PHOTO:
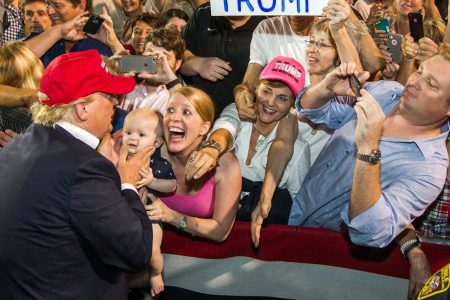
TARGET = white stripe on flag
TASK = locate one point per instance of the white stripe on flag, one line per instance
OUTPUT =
(243, 276)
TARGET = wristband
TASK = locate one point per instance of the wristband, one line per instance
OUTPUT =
(172, 83)
(408, 246)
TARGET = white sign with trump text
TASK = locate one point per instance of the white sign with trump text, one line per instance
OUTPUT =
(267, 7)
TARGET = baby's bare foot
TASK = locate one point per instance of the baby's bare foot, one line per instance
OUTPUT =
(157, 284)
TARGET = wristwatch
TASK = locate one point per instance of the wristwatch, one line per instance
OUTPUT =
(183, 223)
(372, 158)
(211, 144)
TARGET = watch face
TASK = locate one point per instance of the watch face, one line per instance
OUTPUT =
(183, 223)
(375, 156)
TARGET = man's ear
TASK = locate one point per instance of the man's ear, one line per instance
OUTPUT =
(81, 111)
(205, 128)
(158, 142)
(178, 64)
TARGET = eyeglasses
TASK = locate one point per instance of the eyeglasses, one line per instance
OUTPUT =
(319, 45)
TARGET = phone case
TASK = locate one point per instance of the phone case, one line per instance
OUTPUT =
(394, 43)
(356, 85)
(383, 24)
(93, 24)
(416, 26)
(137, 64)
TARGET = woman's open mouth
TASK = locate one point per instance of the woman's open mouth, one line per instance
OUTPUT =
(176, 134)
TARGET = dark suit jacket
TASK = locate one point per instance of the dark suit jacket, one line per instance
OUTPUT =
(66, 229)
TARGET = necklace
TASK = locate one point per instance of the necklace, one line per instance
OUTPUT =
(257, 130)
(261, 138)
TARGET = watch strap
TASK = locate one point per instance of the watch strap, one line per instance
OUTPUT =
(372, 158)
(172, 83)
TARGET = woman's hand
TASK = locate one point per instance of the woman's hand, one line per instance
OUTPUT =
(158, 211)
(409, 48)
(379, 37)
(260, 213)
(376, 12)
(427, 49)
(337, 11)
(390, 71)
(388, 57)
(201, 162)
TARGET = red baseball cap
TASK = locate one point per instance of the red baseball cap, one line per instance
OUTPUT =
(79, 74)
(286, 70)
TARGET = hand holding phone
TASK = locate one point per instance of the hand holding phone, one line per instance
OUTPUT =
(394, 43)
(137, 64)
(382, 24)
(93, 24)
(355, 84)
(416, 26)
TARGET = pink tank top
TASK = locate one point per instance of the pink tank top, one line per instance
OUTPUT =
(200, 204)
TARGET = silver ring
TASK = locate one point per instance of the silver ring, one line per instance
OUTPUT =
(150, 213)
(191, 159)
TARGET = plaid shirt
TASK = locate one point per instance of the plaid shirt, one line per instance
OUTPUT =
(435, 222)
(14, 31)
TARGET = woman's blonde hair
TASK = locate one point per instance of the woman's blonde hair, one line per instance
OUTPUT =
(200, 100)
(19, 67)
(434, 30)
(444, 51)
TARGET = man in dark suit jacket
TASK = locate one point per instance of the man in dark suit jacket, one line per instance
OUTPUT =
(70, 222)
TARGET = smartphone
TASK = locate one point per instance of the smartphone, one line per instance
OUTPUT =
(356, 85)
(394, 43)
(93, 24)
(416, 25)
(137, 64)
(382, 24)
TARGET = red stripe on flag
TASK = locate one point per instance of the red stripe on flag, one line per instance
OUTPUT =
(304, 245)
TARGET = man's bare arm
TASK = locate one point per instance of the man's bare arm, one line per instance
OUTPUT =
(371, 58)
(419, 267)
(44, 41)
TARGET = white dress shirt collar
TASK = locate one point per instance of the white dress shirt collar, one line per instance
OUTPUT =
(80, 134)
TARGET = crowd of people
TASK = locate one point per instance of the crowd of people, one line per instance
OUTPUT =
(300, 120)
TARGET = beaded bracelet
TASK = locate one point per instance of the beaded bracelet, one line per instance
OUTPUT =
(408, 246)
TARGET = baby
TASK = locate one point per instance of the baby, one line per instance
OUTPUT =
(143, 127)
